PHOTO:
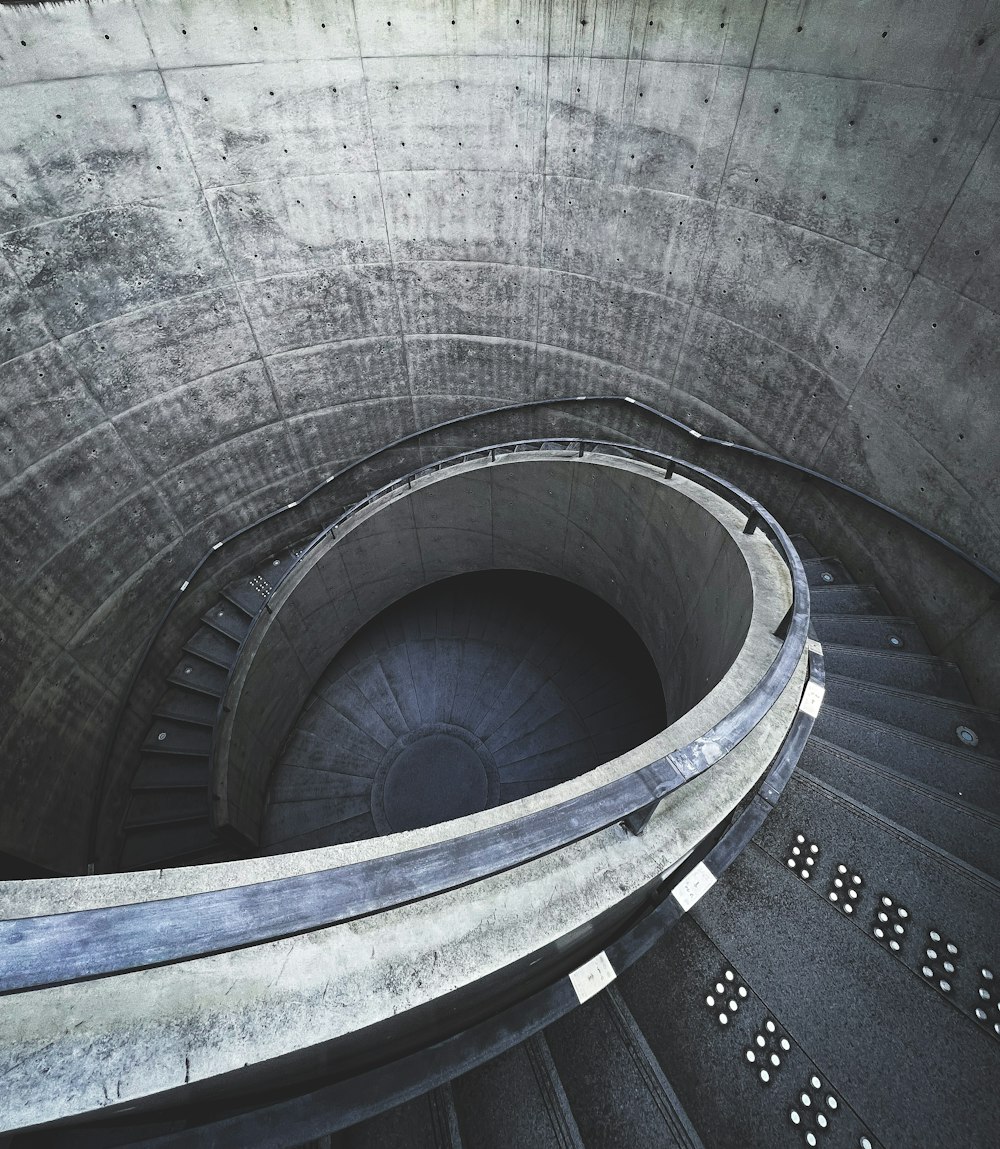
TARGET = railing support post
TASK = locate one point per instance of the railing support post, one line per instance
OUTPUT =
(635, 823)
(753, 522)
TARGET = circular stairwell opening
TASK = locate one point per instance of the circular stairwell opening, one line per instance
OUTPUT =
(466, 694)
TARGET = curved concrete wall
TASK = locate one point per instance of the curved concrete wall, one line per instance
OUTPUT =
(241, 241)
(663, 552)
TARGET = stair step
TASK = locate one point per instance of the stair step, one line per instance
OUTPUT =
(229, 619)
(961, 829)
(195, 673)
(896, 886)
(515, 1101)
(920, 673)
(213, 646)
(165, 771)
(188, 705)
(874, 632)
(172, 736)
(426, 1122)
(848, 600)
(617, 1091)
(962, 774)
(155, 846)
(940, 719)
(804, 547)
(160, 807)
(846, 1006)
(826, 572)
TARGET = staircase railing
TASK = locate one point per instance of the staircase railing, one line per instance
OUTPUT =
(211, 558)
(56, 949)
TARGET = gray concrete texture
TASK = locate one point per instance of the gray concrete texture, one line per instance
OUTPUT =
(243, 240)
(669, 555)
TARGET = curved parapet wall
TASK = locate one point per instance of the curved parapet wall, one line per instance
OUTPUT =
(664, 552)
(144, 958)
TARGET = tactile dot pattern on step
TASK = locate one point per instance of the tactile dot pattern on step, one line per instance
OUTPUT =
(987, 1005)
(845, 888)
(261, 585)
(725, 996)
(767, 1051)
(940, 961)
(889, 922)
(814, 1110)
(802, 856)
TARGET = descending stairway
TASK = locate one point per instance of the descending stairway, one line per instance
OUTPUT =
(837, 987)
(167, 821)
(468, 694)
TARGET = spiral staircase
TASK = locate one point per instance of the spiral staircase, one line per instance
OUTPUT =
(843, 919)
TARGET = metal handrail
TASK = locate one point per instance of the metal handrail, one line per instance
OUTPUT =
(57, 949)
(509, 408)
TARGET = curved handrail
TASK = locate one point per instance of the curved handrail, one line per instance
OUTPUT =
(457, 420)
(56, 949)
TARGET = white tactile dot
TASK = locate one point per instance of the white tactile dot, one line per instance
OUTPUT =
(831, 1101)
(815, 1082)
(794, 1116)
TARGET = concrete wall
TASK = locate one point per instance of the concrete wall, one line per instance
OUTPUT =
(243, 240)
(668, 555)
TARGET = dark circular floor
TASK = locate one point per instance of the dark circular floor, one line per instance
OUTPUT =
(472, 692)
(433, 774)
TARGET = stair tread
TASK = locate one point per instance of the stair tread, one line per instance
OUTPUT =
(196, 673)
(965, 831)
(826, 565)
(960, 773)
(882, 632)
(213, 646)
(503, 1105)
(932, 717)
(617, 1090)
(170, 805)
(229, 619)
(916, 672)
(861, 599)
(845, 1018)
(153, 846)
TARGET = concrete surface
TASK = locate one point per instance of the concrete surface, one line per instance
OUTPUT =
(138, 1034)
(669, 555)
(241, 241)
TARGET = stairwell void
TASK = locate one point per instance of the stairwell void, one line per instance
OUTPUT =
(475, 691)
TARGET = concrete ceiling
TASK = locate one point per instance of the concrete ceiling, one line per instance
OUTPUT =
(243, 240)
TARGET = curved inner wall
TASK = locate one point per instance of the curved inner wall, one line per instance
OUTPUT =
(467, 694)
(658, 551)
(241, 242)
